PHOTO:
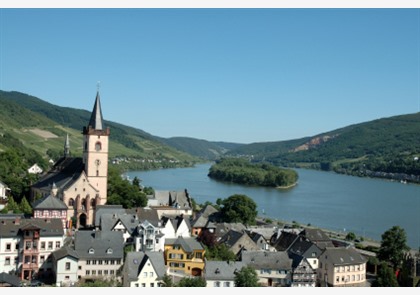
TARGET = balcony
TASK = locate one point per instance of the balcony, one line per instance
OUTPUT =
(29, 266)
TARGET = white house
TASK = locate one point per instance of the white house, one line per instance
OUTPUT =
(222, 273)
(35, 169)
(144, 269)
(65, 266)
(3, 190)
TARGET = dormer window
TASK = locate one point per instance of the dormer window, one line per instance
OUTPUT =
(91, 251)
(109, 251)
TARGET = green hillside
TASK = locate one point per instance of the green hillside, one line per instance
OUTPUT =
(387, 145)
(200, 148)
(48, 124)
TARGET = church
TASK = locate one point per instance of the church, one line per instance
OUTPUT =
(80, 183)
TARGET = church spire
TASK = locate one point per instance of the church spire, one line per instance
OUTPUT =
(67, 147)
(96, 121)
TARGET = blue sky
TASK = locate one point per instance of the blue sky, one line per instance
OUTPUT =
(235, 75)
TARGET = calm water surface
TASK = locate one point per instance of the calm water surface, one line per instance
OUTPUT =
(367, 207)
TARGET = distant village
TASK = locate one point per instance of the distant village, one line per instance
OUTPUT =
(75, 237)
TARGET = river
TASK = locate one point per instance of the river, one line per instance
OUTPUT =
(368, 207)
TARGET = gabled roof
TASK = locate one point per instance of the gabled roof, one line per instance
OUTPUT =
(63, 173)
(99, 242)
(48, 227)
(149, 214)
(318, 237)
(267, 260)
(303, 247)
(343, 256)
(13, 281)
(222, 270)
(49, 202)
(284, 241)
(224, 227)
(135, 261)
(107, 210)
(176, 221)
(206, 214)
(187, 244)
(64, 252)
(175, 199)
(231, 238)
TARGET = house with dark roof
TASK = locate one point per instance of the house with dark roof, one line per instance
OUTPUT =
(238, 241)
(143, 269)
(318, 237)
(184, 256)
(303, 274)
(26, 245)
(101, 254)
(208, 214)
(8, 280)
(274, 269)
(65, 266)
(171, 203)
(81, 182)
(221, 273)
(303, 247)
(342, 267)
(51, 207)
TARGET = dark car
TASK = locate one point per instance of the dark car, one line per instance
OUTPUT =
(35, 283)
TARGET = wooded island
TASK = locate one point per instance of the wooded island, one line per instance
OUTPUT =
(241, 171)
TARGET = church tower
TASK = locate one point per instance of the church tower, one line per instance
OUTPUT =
(95, 152)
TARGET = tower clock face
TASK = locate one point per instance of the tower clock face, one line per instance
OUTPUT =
(98, 162)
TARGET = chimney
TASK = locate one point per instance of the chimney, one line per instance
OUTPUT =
(17, 221)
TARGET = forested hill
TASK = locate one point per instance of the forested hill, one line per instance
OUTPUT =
(42, 126)
(388, 145)
(200, 148)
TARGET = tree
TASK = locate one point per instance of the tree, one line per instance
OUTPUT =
(350, 236)
(239, 208)
(25, 207)
(220, 252)
(167, 281)
(393, 246)
(246, 277)
(192, 282)
(386, 277)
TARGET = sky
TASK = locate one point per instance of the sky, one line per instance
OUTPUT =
(236, 74)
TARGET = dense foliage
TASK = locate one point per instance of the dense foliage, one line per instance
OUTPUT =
(246, 277)
(393, 246)
(242, 171)
(191, 282)
(123, 192)
(239, 208)
(385, 277)
(15, 160)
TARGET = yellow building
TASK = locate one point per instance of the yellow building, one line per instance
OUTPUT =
(184, 255)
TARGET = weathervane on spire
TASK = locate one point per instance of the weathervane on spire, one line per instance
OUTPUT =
(98, 85)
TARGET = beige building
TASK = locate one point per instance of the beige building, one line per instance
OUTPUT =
(81, 182)
(342, 267)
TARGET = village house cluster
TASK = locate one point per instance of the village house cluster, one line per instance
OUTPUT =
(74, 236)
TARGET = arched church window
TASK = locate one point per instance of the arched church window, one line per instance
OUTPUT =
(84, 204)
(98, 146)
(92, 203)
